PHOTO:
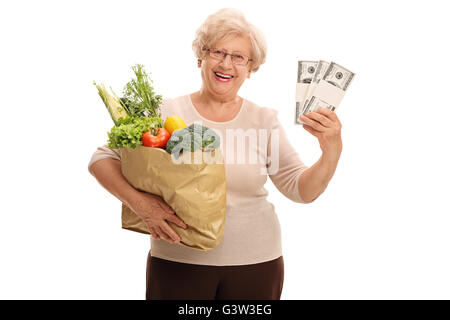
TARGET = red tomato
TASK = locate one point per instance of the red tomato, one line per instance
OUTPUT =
(156, 138)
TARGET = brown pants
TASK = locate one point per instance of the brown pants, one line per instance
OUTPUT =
(183, 281)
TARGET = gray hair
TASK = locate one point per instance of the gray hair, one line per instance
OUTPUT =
(227, 22)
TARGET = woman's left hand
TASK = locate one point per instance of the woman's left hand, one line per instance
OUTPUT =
(325, 126)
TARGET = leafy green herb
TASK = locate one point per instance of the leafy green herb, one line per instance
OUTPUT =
(128, 132)
(139, 98)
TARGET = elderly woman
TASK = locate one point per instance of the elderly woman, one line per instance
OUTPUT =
(248, 263)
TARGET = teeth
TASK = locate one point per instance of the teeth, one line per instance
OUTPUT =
(223, 76)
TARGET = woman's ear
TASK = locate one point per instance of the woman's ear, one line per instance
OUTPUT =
(199, 62)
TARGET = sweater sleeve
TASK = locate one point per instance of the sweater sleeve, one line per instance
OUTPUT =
(284, 164)
(104, 152)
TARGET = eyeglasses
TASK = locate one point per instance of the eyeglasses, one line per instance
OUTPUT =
(237, 59)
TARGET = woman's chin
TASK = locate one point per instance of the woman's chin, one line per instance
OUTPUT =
(221, 90)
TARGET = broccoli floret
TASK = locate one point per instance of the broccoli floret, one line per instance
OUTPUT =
(210, 139)
(192, 138)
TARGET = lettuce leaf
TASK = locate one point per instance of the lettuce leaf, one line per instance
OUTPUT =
(128, 132)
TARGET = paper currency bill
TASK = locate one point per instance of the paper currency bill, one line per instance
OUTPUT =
(335, 75)
(306, 71)
(322, 67)
(338, 76)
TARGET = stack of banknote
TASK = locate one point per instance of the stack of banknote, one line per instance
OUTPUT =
(310, 73)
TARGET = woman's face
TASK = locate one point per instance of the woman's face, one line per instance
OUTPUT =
(226, 88)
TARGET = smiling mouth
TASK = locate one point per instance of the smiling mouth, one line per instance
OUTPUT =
(223, 76)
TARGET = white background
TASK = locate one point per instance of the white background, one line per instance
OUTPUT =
(380, 230)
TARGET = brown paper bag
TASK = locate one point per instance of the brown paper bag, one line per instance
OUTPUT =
(195, 191)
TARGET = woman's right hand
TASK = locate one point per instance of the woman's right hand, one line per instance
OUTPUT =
(154, 211)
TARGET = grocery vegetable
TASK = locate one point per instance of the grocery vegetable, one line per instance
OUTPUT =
(182, 140)
(156, 138)
(114, 105)
(210, 139)
(139, 98)
(192, 138)
(128, 132)
(135, 113)
(137, 120)
(173, 123)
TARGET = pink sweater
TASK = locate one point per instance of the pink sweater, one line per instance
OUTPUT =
(252, 231)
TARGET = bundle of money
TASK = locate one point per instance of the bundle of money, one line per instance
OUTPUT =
(310, 74)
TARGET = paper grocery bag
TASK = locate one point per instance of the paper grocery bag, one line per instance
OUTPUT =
(195, 191)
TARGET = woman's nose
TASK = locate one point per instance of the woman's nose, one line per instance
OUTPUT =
(227, 61)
